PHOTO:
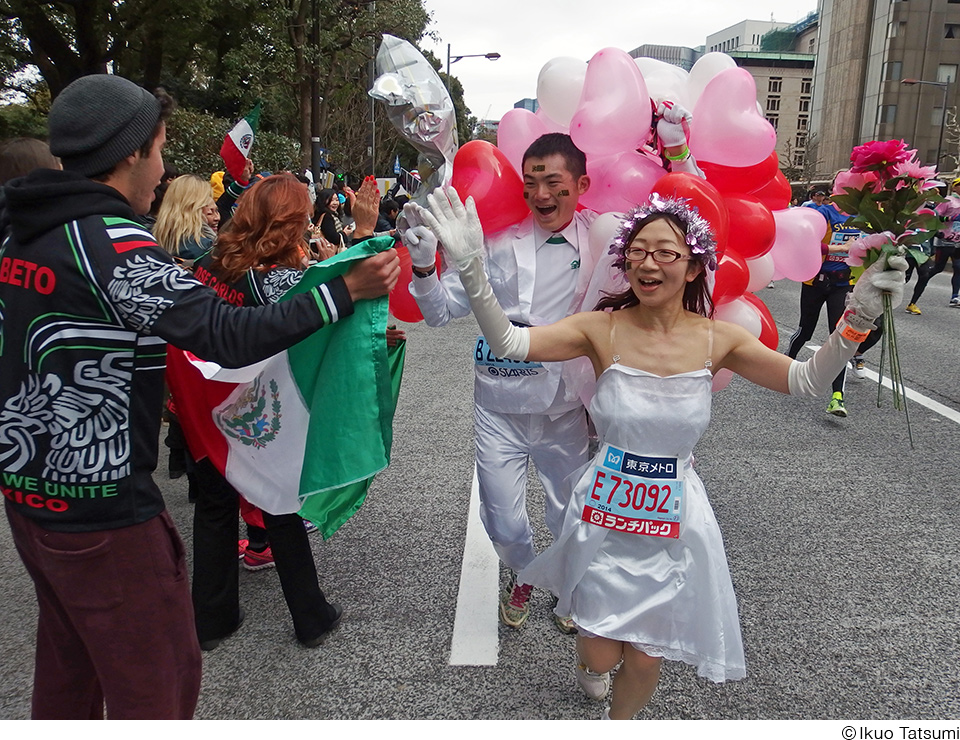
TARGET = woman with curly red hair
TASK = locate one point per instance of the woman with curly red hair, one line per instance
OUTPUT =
(258, 256)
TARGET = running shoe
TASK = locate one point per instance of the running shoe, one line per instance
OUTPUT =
(515, 603)
(309, 526)
(242, 546)
(564, 624)
(253, 560)
(912, 308)
(836, 406)
(954, 302)
(594, 685)
(858, 367)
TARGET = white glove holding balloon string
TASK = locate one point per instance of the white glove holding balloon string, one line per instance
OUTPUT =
(670, 124)
(417, 238)
(864, 304)
(671, 117)
(458, 228)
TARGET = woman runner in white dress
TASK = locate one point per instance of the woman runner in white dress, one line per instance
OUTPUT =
(640, 563)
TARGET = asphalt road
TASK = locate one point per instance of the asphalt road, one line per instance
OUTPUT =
(843, 544)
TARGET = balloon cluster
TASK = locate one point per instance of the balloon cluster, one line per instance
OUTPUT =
(606, 105)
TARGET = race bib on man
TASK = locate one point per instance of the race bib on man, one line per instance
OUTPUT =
(503, 368)
(638, 494)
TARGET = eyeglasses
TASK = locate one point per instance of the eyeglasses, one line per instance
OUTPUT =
(663, 256)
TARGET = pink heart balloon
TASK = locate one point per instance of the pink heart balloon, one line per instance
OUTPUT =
(614, 113)
(621, 181)
(796, 249)
(518, 129)
(727, 128)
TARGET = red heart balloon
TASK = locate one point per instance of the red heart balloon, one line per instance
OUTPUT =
(769, 335)
(731, 278)
(402, 304)
(483, 171)
(752, 228)
(729, 180)
(776, 194)
(701, 194)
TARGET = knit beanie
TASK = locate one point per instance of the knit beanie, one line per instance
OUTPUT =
(98, 120)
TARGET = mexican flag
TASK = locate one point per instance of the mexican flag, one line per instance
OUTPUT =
(305, 430)
(238, 142)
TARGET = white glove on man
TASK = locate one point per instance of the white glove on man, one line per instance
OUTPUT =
(455, 225)
(883, 276)
(670, 126)
(417, 237)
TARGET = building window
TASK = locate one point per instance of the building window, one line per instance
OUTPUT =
(773, 104)
(802, 123)
(801, 139)
(936, 116)
(774, 121)
(806, 85)
(813, 43)
(947, 72)
(951, 30)
(804, 105)
(896, 28)
(892, 70)
(886, 114)
(775, 84)
(798, 158)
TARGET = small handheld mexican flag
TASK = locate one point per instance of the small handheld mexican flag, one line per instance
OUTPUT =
(238, 142)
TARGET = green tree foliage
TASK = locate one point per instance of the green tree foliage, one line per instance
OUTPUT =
(308, 60)
(194, 139)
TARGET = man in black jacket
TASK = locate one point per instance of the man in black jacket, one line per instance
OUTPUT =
(88, 301)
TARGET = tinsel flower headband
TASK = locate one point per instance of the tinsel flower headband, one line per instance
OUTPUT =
(699, 236)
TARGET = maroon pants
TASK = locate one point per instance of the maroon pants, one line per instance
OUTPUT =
(115, 623)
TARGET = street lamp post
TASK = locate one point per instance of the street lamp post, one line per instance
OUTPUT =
(493, 56)
(943, 109)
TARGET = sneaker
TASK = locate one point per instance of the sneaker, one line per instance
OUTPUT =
(858, 367)
(253, 560)
(954, 302)
(836, 406)
(565, 624)
(242, 547)
(594, 685)
(515, 603)
(309, 526)
(912, 308)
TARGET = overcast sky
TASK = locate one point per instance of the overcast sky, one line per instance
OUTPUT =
(528, 33)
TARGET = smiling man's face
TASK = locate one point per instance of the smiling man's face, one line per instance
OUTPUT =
(551, 190)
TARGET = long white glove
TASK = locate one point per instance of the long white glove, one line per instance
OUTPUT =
(456, 226)
(505, 339)
(417, 238)
(815, 376)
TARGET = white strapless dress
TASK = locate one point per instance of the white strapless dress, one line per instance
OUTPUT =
(670, 598)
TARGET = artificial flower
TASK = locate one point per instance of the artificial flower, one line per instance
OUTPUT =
(879, 156)
(859, 247)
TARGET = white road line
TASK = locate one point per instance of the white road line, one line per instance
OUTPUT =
(912, 395)
(476, 639)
